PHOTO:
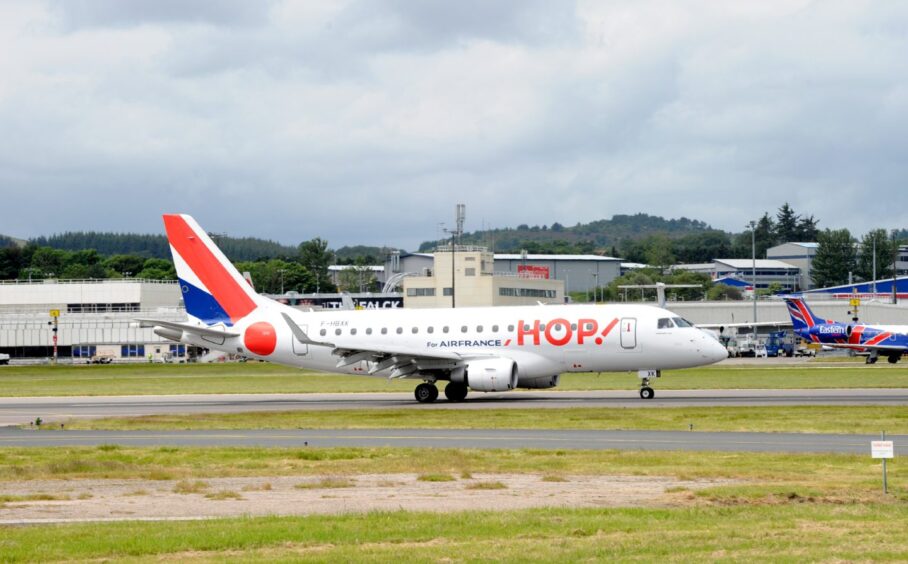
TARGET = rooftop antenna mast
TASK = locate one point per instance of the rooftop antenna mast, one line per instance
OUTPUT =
(455, 237)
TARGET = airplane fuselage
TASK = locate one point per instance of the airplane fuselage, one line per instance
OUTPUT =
(542, 341)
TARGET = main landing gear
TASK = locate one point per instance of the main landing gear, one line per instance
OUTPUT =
(455, 391)
(427, 393)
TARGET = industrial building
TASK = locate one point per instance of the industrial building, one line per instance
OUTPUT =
(800, 255)
(768, 271)
(579, 273)
(476, 283)
(96, 319)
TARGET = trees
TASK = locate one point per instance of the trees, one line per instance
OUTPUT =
(315, 256)
(835, 258)
(885, 248)
(787, 224)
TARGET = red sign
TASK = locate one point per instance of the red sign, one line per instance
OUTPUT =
(532, 271)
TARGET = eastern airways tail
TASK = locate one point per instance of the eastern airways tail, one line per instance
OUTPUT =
(801, 315)
(213, 290)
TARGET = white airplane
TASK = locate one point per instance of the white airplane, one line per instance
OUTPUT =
(486, 349)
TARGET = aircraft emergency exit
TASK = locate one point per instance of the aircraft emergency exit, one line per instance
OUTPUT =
(487, 349)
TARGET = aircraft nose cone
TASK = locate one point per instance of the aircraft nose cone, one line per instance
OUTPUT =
(714, 351)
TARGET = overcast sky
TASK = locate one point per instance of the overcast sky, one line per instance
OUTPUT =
(365, 122)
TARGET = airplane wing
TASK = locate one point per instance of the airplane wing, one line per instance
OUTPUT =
(730, 325)
(892, 348)
(401, 361)
(200, 330)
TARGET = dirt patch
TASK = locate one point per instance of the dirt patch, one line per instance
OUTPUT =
(93, 500)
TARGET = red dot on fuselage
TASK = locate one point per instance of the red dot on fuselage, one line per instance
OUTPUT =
(260, 338)
(598, 340)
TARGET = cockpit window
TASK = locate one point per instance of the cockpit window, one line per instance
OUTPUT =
(665, 323)
(681, 322)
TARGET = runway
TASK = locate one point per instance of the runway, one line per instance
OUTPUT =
(458, 438)
(19, 411)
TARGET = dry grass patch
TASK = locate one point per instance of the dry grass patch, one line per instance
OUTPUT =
(495, 485)
(223, 495)
(553, 478)
(190, 487)
(326, 483)
(266, 487)
(435, 478)
(137, 492)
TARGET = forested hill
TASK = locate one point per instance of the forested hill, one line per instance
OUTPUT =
(155, 246)
(584, 237)
(7, 241)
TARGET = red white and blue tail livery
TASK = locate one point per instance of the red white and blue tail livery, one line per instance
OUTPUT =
(482, 349)
(888, 340)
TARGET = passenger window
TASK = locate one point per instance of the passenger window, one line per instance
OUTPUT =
(510, 328)
(368, 331)
(415, 330)
(384, 330)
(665, 323)
(353, 331)
(444, 329)
(400, 330)
(573, 326)
(323, 332)
(463, 329)
(494, 328)
(337, 331)
(479, 328)
(430, 329)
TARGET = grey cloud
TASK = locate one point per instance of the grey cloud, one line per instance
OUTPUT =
(81, 14)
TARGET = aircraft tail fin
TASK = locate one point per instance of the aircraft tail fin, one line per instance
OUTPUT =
(802, 317)
(213, 290)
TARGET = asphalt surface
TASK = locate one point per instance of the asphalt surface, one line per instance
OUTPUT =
(18, 411)
(457, 438)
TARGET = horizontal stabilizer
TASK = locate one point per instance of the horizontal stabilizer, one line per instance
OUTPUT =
(188, 327)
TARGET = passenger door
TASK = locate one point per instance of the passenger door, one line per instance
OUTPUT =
(629, 333)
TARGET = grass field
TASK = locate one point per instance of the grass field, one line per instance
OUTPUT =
(795, 419)
(782, 507)
(143, 379)
(786, 533)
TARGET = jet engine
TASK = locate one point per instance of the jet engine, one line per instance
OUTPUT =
(491, 375)
(539, 383)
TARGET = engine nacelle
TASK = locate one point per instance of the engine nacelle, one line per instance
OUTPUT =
(491, 375)
(539, 383)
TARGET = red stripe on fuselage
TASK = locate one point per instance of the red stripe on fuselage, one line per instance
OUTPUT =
(228, 293)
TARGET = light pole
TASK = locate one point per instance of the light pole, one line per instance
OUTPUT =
(282, 271)
(753, 270)
(595, 287)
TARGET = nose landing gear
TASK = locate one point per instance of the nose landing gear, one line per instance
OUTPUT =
(646, 392)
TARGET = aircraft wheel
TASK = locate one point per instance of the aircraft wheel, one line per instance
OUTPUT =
(647, 393)
(893, 359)
(455, 391)
(426, 393)
(871, 360)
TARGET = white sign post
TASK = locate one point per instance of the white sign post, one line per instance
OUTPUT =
(882, 449)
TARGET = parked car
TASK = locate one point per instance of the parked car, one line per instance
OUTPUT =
(101, 359)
